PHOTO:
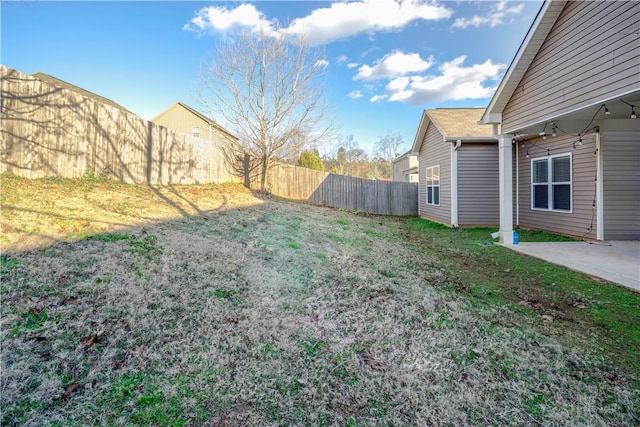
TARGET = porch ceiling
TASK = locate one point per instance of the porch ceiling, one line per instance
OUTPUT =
(580, 120)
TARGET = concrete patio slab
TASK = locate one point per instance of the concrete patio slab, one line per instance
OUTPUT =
(614, 261)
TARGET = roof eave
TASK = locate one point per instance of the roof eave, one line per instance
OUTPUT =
(471, 138)
(413, 169)
(527, 51)
(422, 130)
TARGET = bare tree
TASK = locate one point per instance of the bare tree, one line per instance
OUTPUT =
(388, 146)
(268, 88)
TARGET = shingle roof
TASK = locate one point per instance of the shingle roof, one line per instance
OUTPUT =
(453, 124)
(459, 122)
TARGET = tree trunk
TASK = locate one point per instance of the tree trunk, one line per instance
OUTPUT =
(263, 175)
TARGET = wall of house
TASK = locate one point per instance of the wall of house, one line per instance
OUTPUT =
(478, 184)
(433, 152)
(592, 53)
(182, 120)
(621, 179)
(582, 221)
(399, 166)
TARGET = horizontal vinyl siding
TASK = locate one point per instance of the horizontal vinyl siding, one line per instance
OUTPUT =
(592, 53)
(583, 161)
(181, 120)
(478, 185)
(433, 152)
(621, 184)
(398, 168)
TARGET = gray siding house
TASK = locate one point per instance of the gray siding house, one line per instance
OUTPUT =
(458, 168)
(566, 115)
(405, 168)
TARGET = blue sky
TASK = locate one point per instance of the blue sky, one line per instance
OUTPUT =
(387, 60)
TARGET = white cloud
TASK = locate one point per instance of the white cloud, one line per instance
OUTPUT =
(351, 65)
(395, 64)
(398, 84)
(355, 94)
(322, 63)
(344, 19)
(454, 82)
(495, 17)
(338, 21)
(341, 58)
(221, 19)
(376, 98)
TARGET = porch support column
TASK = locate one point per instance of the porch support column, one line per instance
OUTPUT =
(505, 159)
(599, 190)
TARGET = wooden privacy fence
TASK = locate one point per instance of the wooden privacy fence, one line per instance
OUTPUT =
(340, 191)
(50, 129)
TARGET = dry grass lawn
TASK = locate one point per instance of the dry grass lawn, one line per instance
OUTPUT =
(206, 305)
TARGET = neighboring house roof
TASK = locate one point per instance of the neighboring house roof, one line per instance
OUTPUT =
(547, 16)
(197, 114)
(402, 156)
(453, 124)
(66, 85)
(412, 169)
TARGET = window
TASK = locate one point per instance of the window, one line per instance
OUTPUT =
(195, 131)
(551, 183)
(433, 185)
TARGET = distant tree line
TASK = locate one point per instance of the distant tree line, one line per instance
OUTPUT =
(350, 159)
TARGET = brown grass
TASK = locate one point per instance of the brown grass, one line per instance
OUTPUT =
(204, 305)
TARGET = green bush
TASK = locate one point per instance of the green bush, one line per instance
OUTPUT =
(311, 160)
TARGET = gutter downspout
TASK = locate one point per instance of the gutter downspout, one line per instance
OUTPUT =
(454, 182)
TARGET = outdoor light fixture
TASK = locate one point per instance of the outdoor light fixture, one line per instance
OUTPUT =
(553, 131)
(543, 134)
(633, 112)
(527, 153)
(606, 110)
(579, 140)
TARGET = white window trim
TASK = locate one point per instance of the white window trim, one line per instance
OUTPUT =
(426, 190)
(550, 183)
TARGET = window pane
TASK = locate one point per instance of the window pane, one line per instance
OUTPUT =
(436, 195)
(429, 176)
(541, 196)
(562, 197)
(436, 174)
(561, 169)
(430, 195)
(539, 171)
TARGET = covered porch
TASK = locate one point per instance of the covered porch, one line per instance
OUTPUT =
(566, 115)
(601, 145)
